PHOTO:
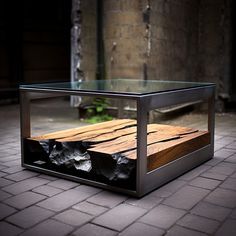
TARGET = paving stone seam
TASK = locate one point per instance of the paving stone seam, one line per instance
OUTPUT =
(185, 227)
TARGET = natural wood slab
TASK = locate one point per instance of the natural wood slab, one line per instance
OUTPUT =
(159, 154)
(115, 142)
(131, 144)
(80, 130)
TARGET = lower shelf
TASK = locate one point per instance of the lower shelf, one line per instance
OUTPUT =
(107, 152)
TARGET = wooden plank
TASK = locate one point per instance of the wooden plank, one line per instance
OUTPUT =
(116, 141)
(152, 149)
(83, 129)
(132, 144)
(178, 150)
(112, 135)
(178, 130)
(112, 145)
(100, 135)
(116, 134)
(160, 133)
(163, 153)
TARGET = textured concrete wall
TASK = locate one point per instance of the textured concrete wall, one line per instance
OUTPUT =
(88, 49)
(215, 44)
(174, 40)
(151, 39)
(143, 39)
(124, 33)
(160, 39)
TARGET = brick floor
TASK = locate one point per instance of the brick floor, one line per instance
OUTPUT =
(140, 229)
(95, 230)
(162, 216)
(211, 211)
(199, 203)
(186, 197)
(119, 217)
(29, 216)
(199, 223)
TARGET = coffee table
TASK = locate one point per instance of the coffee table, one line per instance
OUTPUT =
(147, 95)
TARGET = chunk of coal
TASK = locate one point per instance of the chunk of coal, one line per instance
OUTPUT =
(70, 154)
(114, 167)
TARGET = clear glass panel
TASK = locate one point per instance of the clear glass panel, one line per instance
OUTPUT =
(126, 86)
(96, 141)
(176, 131)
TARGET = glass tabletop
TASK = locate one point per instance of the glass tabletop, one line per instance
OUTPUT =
(119, 86)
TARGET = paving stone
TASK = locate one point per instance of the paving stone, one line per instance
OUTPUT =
(8, 158)
(11, 151)
(224, 168)
(88, 189)
(25, 185)
(218, 137)
(47, 190)
(213, 175)
(119, 217)
(211, 211)
(180, 231)
(64, 200)
(162, 216)
(186, 197)
(227, 229)
(90, 208)
(8, 229)
(233, 175)
(205, 183)
(94, 230)
(233, 214)
(214, 161)
(231, 159)
(24, 200)
(169, 188)
(139, 229)
(2, 174)
(5, 211)
(29, 216)
(12, 163)
(22, 175)
(222, 197)
(73, 217)
(199, 223)
(63, 184)
(5, 182)
(2, 167)
(49, 227)
(4, 195)
(107, 199)
(194, 173)
(223, 153)
(48, 177)
(226, 140)
(232, 145)
(13, 169)
(146, 202)
(218, 146)
(229, 183)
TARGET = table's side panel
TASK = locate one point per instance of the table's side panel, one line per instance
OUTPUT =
(25, 126)
(166, 173)
(169, 98)
(141, 164)
(211, 119)
(175, 168)
(30, 94)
